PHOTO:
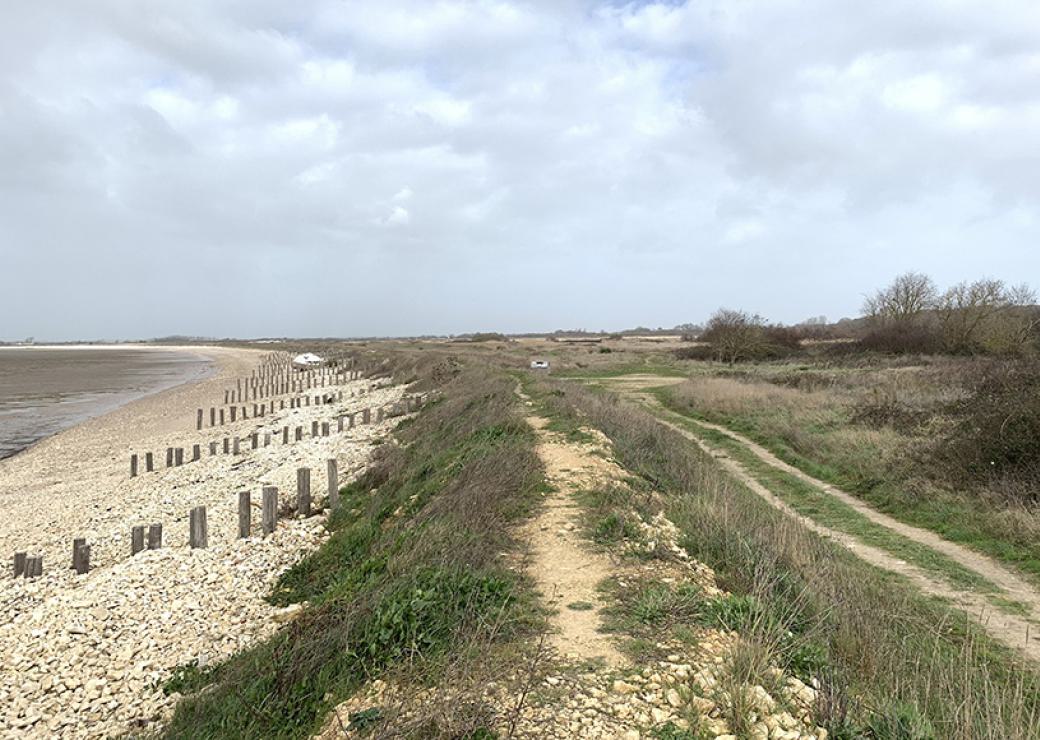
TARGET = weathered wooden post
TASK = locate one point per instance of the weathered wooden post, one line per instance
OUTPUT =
(267, 439)
(222, 417)
(285, 435)
(198, 533)
(154, 536)
(77, 543)
(133, 466)
(33, 566)
(379, 414)
(169, 457)
(314, 428)
(244, 513)
(254, 439)
(333, 483)
(324, 429)
(303, 491)
(178, 456)
(198, 419)
(196, 453)
(366, 416)
(351, 421)
(82, 564)
(339, 424)
(136, 539)
(234, 413)
(212, 416)
(148, 462)
(235, 443)
(227, 445)
(299, 433)
(269, 509)
(212, 448)
(19, 564)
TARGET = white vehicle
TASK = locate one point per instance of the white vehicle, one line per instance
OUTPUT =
(539, 364)
(307, 360)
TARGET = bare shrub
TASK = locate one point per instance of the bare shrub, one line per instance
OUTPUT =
(996, 430)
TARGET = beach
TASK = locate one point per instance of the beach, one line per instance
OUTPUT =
(84, 655)
(46, 389)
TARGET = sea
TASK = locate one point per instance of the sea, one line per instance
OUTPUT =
(44, 390)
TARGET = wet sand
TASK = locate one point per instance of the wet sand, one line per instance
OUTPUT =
(63, 482)
(44, 390)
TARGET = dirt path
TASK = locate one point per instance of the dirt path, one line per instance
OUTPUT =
(566, 570)
(1013, 630)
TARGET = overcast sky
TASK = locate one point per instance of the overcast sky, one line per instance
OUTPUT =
(332, 167)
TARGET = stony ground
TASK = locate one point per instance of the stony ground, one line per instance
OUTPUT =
(85, 656)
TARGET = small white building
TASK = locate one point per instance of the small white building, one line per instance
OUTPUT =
(539, 364)
(307, 360)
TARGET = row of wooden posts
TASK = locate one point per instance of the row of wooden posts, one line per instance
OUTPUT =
(31, 566)
(284, 378)
(218, 417)
(175, 456)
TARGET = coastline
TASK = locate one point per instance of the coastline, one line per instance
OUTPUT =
(116, 399)
(85, 656)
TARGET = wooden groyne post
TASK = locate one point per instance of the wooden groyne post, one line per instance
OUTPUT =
(136, 539)
(198, 531)
(269, 509)
(303, 491)
(245, 513)
(333, 470)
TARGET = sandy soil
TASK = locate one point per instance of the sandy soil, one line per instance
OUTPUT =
(566, 569)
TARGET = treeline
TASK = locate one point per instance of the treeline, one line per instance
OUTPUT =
(911, 315)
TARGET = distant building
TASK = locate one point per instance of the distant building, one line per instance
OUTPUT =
(539, 364)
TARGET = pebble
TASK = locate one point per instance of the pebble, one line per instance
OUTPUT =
(85, 656)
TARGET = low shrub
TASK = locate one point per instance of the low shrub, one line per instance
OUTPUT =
(995, 430)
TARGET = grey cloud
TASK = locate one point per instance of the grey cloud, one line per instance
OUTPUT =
(236, 167)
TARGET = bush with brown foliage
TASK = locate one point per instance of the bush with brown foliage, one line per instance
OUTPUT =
(995, 433)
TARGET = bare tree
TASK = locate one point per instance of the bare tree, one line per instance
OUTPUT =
(985, 315)
(735, 335)
(902, 302)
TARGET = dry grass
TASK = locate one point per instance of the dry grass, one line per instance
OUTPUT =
(878, 432)
(885, 650)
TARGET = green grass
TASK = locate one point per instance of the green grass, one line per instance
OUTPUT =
(629, 368)
(953, 516)
(808, 500)
(411, 580)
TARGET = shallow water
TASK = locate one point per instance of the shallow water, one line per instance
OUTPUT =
(46, 390)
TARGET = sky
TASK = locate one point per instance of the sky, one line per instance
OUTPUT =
(261, 168)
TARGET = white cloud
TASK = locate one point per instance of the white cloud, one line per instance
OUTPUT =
(399, 216)
(686, 154)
